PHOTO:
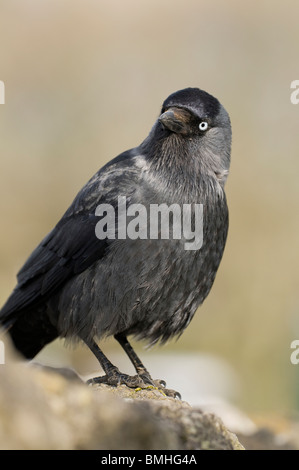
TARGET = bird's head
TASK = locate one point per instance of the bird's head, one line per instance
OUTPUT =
(202, 122)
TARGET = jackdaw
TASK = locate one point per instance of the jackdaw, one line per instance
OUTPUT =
(89, 279)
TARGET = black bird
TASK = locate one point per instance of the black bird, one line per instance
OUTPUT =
(78, 286)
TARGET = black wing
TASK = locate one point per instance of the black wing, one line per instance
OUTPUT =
(72, 246)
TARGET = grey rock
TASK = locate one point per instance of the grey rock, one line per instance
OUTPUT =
(43, 409)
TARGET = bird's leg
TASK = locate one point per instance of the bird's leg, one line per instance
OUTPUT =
(109, 369)
(113, 375)
(142, 372)
(139, 367)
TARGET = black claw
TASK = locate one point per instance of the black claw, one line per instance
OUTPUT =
(172, 393)
(162, 383)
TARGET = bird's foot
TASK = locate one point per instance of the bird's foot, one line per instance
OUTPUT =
(116, 378)
(141, 381)
(160, 385)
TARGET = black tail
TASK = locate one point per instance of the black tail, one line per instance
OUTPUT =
(30, 331)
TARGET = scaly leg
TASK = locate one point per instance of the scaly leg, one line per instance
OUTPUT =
(114, 377)
(142, 372)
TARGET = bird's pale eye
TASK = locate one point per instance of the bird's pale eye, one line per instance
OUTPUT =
(203, 126)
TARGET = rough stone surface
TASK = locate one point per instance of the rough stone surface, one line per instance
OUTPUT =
(43, 409)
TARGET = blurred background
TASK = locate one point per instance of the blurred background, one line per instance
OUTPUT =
(85, 80)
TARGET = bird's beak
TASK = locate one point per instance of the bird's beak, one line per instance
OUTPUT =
(176, 120)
